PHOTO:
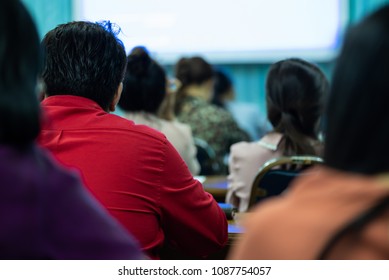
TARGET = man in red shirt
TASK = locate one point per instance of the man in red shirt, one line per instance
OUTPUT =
(132, 170)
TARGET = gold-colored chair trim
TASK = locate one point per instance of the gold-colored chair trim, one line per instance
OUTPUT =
(256, 191)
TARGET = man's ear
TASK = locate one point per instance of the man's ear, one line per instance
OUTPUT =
(116, 98)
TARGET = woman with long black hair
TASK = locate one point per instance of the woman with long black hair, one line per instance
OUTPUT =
(295, 92)
(339, 210)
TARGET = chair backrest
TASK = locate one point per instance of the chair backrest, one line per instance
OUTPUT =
(276, 175)
(206, 157)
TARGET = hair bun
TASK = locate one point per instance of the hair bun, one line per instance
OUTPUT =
(183, 71)
(138, 61)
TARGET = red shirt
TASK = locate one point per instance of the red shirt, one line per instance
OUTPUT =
(136, 174)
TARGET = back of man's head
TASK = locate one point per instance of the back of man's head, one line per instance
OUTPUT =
(84, 59)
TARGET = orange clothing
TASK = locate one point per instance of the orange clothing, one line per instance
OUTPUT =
(299, 224)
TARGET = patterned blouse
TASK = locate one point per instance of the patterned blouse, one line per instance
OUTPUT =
(213, 124)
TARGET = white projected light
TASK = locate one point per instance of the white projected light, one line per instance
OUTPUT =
(224, 31)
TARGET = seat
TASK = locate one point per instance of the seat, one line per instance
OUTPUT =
(207, 158)
(276, 175)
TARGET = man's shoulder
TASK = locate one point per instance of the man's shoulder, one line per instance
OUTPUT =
(115, 122)
(76, 114)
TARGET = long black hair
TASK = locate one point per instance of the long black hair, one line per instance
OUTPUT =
(20, 65)
(295, 92)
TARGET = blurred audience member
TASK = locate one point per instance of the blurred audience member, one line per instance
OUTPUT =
(133, 170)
(148, 99)
(341, 211)
(45, 211)
(208, 122)
(247, 115)
(295, 91)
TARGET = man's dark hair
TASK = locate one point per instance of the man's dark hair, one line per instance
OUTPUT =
(84, 59)
(19, 69)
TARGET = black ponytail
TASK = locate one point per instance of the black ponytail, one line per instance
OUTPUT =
(295, 90)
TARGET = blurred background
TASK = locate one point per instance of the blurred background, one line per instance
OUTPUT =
(247, 65)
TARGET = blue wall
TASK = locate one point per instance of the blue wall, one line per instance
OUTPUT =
(249, 78)
(49, 13)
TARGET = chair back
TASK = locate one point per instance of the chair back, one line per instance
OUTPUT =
(207, 158)
(275, 176)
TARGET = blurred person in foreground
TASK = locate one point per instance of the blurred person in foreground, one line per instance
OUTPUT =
(133, 170)
(45, 211)
(341, 209)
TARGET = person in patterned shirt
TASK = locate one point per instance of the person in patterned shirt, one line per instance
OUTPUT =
(210, 123)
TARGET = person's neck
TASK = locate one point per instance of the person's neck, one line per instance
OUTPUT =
(198, 91)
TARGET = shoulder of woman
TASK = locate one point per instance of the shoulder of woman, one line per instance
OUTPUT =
(242, 146)
(270, 141)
